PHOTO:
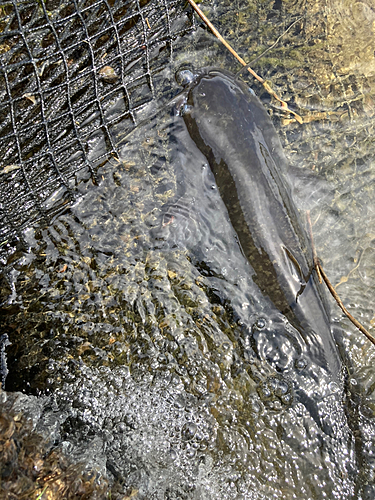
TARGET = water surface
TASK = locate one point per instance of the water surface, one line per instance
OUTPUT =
(133, 308)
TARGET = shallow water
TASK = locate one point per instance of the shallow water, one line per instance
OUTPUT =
(133, 307)
(143, 331)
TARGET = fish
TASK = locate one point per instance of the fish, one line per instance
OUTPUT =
(234, 132)
(197, 405)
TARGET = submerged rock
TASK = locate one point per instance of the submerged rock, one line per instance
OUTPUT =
(30, 467)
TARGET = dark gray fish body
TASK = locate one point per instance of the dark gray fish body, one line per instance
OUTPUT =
(234, 215)
(234, 132)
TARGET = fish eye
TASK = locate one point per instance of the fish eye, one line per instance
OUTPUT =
(184, 77)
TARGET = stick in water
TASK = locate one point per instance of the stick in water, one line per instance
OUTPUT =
(321, 273)
(284, 105)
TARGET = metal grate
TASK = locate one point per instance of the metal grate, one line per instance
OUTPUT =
(69, 73)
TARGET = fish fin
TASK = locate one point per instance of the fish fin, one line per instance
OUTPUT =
(295, 268)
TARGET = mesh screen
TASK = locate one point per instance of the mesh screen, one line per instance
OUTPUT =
(69, 72)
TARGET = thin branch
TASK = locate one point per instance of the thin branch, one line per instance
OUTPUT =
(321, 273)
(315, 256)
(343, 308)
(272, 46)
(284, 105)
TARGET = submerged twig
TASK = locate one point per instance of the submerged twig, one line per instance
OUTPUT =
(321, 273)
(42, 493)
(315, 256)
(344, 279)
(343, 308)
(272, 46)
(284, 105)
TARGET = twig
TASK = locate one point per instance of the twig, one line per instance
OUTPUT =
(321, 273)
(272, 46)
(344, 279)
(42, 493)
(284, 105)
(343, 308)
(315, 256)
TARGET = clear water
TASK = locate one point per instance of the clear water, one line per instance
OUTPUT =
(131, 310)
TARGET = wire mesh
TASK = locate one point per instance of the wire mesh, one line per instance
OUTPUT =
(69, 72)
